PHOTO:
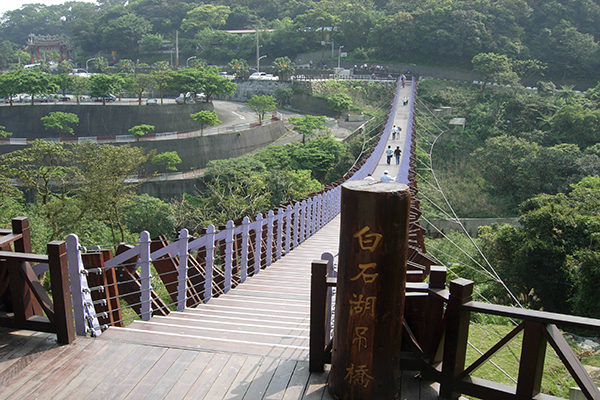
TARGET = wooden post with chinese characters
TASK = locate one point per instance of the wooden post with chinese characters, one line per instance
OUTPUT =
(370, 290)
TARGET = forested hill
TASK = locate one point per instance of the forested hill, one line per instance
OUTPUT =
(563, 34)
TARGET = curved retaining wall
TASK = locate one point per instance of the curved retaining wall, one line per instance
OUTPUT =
(24, 121)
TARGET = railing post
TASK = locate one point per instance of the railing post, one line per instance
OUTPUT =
(318, 302)
(370, 291)
(182, 269)
(245, 246)
(288, 228)
(21, 225)
(457, 334)
(228, 255)
(269, 251)
(435, 313)
(296, 228)
(145, 287)
(279, 241)
(210, 261)
(61, 296)
(258, 242)
(83, 308)
(331, 273)
(533, 353)
(303, 208)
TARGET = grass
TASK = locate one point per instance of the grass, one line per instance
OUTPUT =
(556, 379)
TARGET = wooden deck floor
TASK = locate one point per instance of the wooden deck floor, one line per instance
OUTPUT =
(250, 344)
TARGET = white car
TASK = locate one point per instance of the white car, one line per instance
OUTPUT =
(189, 98)
(263, 76)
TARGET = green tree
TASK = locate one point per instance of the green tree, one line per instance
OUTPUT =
(65, 67)
(37, 83)
(216, 85)
(64, 82)
(283, 67)
(4, 133)
(124, 33)
(339, 103)
(100, 65)
(238, 67)
(308, 125)
(205, 16)
(168, 159)
(79, 85)
(102, 85)
(141, 130)
(61, 121)
(262, 105)
(147, 213)
(492, 67)
(138, 84)
(205, 118)
(7, 54)
(10, 84)
(152, 42)
(161, 80)
(126, 66)
(284, 95)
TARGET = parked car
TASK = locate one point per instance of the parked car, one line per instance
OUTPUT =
(189, 98)
(224, 74)
(107, 97)
(151, 101)
(263, 76)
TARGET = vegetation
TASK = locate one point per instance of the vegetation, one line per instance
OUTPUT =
(205, 118)
(262, 105)
(525, 153)
(141, 130)
(61, 121)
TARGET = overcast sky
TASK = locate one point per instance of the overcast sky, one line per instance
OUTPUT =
(6, 5)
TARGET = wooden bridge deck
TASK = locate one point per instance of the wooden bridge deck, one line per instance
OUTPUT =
(250, 344)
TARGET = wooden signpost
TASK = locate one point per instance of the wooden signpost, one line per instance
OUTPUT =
(370, 290)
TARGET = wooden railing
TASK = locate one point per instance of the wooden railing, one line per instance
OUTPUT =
(22, 294)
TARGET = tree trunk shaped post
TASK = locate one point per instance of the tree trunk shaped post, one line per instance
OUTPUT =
(370, 290)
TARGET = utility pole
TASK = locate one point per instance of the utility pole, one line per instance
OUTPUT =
(177, 48)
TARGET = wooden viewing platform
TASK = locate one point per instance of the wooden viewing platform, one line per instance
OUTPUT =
(251, 343)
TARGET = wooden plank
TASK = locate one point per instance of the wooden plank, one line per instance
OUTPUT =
(100, 369)
(123, 370)
(281, 378)
(298, 382)
(147, 378)
(205, 381)
(63, 370)
(239, 325)
(225, 379)
(16, 382)
(171, 377)
(316, 388)
(92, 370)
(190, 375)
(243, 380)
(259, 385)
(17, 344)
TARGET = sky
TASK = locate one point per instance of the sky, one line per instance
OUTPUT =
(6, 5)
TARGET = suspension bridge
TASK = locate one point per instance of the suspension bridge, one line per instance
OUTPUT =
(245, 310)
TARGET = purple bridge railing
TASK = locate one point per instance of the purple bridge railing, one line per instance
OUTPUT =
(229, 255)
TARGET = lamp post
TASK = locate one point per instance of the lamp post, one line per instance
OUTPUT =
(186, 61)
(340, 55)
(258, 62)
(86, 64)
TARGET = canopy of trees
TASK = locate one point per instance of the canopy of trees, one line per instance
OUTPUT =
(561, 34)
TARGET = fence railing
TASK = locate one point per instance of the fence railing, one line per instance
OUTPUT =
(155, 276)
(23, 294)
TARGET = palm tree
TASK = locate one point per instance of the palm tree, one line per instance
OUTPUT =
(284, 67)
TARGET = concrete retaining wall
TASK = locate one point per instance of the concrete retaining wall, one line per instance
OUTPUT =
(98, 120)
(196, 152)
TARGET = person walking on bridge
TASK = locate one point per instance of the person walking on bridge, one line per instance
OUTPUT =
(386, 177)
(388, 153)
(397, 153)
